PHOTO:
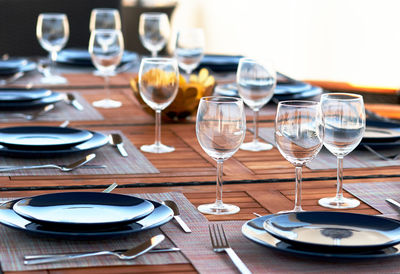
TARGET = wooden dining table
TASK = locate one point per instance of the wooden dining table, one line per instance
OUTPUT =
(258, 182)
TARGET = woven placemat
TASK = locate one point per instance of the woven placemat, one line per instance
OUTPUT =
(358, 158)
(61, 112)
(107, 155)
(16, 244)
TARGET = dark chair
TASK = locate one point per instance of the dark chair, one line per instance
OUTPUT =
(130, 25)
(18, 23)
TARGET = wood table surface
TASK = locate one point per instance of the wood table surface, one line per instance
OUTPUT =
(261, 182)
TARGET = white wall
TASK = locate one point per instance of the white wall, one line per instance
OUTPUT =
(340, 40)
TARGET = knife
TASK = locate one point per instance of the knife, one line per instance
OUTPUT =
(71, 99)
(394, 204)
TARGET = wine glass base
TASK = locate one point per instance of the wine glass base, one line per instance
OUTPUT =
(54, 80)
(218, 209)
(256, 146)
(107, 103)
(338, 203)
(296, 209)
(157, 148)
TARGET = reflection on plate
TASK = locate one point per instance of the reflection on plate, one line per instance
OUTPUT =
(160, 215)
(98, 140)
(254, 231)
(83, 209)
(17, 95)
(334, 231)
(42, 137)
(53, 98)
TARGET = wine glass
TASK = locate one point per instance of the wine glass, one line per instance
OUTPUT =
(158, 85)
(104, 18)
(256, 83)
(189, 48)
(344, 119)
(299, 134)
(52, 31)
(106, 48)
(153, 31)
(220, 130)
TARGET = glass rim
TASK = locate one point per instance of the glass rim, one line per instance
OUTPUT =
(53, 14)
(298, 103)
(158, 60)
(351, 96)
(221, 99)
(153, 14)
(105, 9)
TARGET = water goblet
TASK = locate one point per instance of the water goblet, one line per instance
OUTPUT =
(158, 85)
(344, 121)
(299, 136)
(106, 47)
(52, 32)
(154, 31)
(105, 18)
(189, 48)
(256, 83)
(220, 130)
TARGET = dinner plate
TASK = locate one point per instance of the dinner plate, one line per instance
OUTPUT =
(53, 98)
(159, 216)
(390, 139)
(98, 140)
(378, 134)
(42, 137)
(78, 209)
(81, 57)
(254, 231)
(334, 231)
(14, 65)
(17, 95)
(220, 63)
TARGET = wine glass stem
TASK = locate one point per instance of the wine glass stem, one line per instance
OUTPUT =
(158, 128)
(339, 192)
(154, 53)
(255, 126)
(220, 182)
(53, 59)
(297, 199)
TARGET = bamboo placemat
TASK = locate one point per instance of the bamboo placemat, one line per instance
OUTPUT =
(107, 155)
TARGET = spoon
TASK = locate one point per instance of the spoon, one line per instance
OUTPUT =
(116, 140)
(178, 218)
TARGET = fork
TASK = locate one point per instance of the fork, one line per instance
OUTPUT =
(64, 168)
(220, 243)
(381, 156)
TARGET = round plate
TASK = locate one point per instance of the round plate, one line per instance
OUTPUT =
(254, 231)
(53, 98)
(98, 140)
(160, 215)
(334, 230)
(83, 209)
(41, 137)
(17, 95)
(378, 134)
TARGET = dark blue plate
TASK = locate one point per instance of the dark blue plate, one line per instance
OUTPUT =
(160, 215)
(18, 95)
(53, 98)
(14, 65)
(81, 57)
(98, 140)
(334, 231)
(83, 209)
(254, 231)
(383, 142)
(42, 137)
(220, 63)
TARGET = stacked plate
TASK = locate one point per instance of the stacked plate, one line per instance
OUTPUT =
(83, 215)
(19, 99)
(81, 57)
(327, 234)
(46, 141)
(12, 66)
(380, 134)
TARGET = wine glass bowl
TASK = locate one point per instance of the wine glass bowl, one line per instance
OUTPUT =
(154, 31)
(220, 130)
(256, 83)
(105, 18)
(189, 48)
(106, 47)
(299, 136)
(158, 86)
(52, 32)
(344, 121)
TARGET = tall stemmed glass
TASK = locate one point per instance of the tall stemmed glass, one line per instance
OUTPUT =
(52, 31)
(344, 119)
(299, 134)
(256, 82)
(154, 31)
(104, 18)
(189, 48)
(220, 129)
(106, 48)
(158, 85)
